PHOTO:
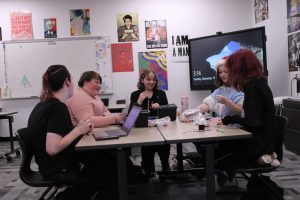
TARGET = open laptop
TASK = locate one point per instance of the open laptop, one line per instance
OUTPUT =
(122, 131)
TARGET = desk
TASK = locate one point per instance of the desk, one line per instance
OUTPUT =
(137, 137)
(180, 132)
(116, 107)
(9, 116)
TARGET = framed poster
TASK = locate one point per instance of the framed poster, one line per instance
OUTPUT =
(156, 34)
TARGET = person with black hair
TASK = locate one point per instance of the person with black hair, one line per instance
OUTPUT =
(128, 32)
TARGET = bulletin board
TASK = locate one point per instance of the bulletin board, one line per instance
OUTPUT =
(26, 61)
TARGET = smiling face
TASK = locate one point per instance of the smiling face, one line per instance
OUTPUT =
(149, 81)
(223, 73)
(92, 87)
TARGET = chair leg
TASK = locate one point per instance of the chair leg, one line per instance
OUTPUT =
(47, 191)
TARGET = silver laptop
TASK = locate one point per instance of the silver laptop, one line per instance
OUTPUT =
(122, 131)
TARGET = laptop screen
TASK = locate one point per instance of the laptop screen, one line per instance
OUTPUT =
(131, 118)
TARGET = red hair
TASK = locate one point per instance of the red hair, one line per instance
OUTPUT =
(243, 65)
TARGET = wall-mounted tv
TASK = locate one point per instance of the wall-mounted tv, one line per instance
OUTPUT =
(204, 52)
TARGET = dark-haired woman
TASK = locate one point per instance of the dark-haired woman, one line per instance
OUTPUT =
(258, 116)
(149, 97)
(53, 136)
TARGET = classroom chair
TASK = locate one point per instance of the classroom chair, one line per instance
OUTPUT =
(27, 175)
(255, 172)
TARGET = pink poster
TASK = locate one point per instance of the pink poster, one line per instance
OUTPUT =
(122, 58)
(21, 25)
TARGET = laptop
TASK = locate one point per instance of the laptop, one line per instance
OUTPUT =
(122, 131)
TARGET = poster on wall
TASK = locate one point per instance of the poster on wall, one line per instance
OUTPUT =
(21, 25)
(261, 10)
(294, 51)
(293, 8)
(122, 59)
(156, 34)
(293, 24)
(127, 27)
(156, 61)
(80, 22)
(50, 28)
(101, 50)
(179, 48)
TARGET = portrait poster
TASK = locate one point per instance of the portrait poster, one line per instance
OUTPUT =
(294, 51)
(80, 22)
(50, 28)
(180, 49)
(127, 27)
(122, 58)
(293, 24)
(156, 61)
(261, 10)
(156, 34)
(21, 25)
(293, 8)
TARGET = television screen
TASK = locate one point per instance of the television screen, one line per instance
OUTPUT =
(204, 52)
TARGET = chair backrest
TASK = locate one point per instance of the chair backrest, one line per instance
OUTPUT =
(280, 125)
(27, 175)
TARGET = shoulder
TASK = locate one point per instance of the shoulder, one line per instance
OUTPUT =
(160, 92)
(137, 92)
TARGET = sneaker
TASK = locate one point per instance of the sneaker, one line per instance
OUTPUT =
(174, 163)
(275, 163)
(187, 164)
(265, 159)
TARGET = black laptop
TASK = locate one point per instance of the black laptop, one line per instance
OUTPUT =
(122, 131)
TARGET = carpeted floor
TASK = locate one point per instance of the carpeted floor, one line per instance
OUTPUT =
(181, 187)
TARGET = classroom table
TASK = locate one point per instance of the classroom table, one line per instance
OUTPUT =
(179, 132)
(137, 137)
(9, 115)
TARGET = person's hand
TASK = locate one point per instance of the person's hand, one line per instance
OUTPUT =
(143, 96)
(133, 36)
(214, 122)
(155, 106)
(119, 118)
(222, 99)
(85, 126)
(124, 36)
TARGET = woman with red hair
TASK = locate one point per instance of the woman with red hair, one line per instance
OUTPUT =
(258, 115)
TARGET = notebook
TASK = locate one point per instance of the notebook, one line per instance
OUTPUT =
(122, 131)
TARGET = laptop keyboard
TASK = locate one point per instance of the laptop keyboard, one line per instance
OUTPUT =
(115, 132)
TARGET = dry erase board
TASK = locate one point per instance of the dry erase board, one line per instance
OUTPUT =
(26, 61)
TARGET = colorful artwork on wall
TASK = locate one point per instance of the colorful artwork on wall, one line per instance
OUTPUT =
(21, 25)
(156, 34)
(156, 61)
(122, 59)
(80, 22)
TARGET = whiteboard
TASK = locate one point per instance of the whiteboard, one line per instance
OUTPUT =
(26, 61)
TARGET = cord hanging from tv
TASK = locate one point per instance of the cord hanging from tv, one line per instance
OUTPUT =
(206, 51)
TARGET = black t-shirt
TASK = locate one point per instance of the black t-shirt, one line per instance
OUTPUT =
(159, 96)
(51, 116)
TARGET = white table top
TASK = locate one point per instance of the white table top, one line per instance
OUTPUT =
(137, 137)
(181, 132)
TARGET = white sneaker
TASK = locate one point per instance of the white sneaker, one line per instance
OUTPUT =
(275, 163)
(265, 159)
(173, 164)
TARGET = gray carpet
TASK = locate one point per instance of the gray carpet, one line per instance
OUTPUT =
(181, 187)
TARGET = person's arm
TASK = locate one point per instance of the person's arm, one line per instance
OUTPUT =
(207, 105)
(203, 108)
(55, 143)
(253, 111)
(231, 105)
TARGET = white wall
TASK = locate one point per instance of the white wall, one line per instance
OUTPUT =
(196, 17)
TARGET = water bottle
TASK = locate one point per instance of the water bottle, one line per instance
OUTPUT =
(184, 103)
(201, 120)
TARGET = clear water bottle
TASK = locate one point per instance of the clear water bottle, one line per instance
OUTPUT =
(184, 103)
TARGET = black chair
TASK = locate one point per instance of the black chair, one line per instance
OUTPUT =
(27, 175)
(256, 171)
